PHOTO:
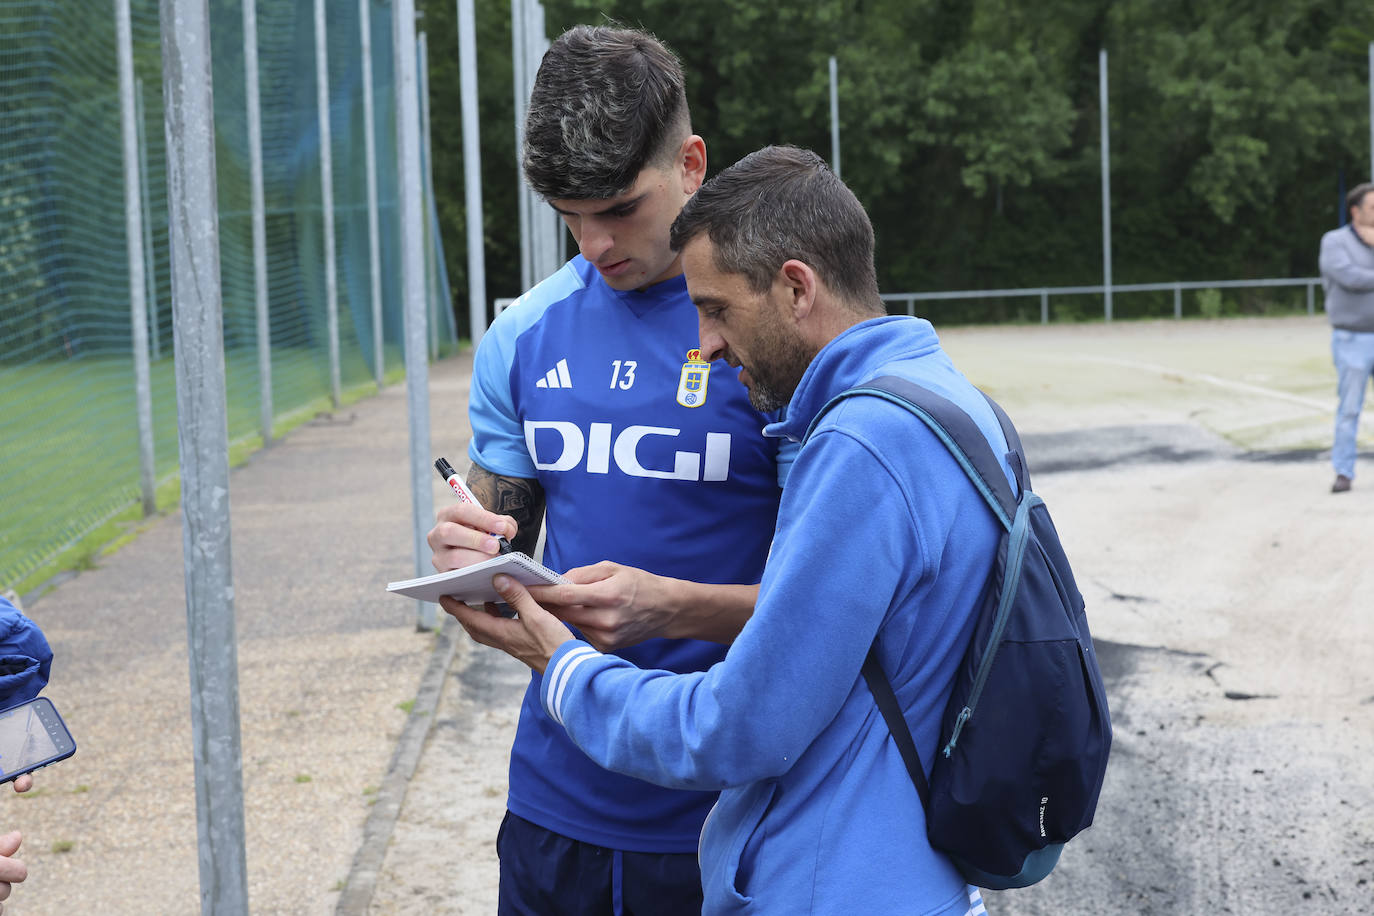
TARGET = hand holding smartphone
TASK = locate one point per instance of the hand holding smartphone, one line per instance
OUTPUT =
(32, 735)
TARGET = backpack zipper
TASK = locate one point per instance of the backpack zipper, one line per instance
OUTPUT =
(1016, 549)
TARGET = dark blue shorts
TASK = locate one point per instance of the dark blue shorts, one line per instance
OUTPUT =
(546, 874)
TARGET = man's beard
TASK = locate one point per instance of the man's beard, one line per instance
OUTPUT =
(780, 361)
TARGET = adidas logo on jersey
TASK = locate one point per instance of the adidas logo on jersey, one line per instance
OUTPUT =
(557, 377)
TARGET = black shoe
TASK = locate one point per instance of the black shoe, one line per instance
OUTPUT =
(1342, 484)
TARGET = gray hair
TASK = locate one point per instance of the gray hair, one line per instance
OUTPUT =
(780, 203)
(607, 102)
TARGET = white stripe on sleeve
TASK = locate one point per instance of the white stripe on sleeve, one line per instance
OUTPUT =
(558, 680)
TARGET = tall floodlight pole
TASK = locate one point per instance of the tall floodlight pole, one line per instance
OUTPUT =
(203, 437)
(374, 251)
(150, 265)
(834, 117)
(472, 171)
(331, 287)
(259, 219)
(1106, 188)
(133, 231)
(409, 193)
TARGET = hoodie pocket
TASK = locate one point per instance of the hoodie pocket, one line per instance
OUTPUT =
(730, 841)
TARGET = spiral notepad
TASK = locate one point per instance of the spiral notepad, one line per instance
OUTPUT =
(472, 584)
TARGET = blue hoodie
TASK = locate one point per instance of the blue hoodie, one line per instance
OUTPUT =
(25, 659)
(879, 531)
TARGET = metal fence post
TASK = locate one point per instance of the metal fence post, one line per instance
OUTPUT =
(472, 171)
(834, 116)
(1178, 301)
(203, 437)
(331, 286)
(1106, 188)
(522, 91)
(149, 258)
(427, 177)
(1044, 306)
(259, 219)
(133, 230)
(1311, 308)
(374, 256)
(410, 199)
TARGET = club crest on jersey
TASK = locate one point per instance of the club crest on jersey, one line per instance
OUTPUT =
(691, 387)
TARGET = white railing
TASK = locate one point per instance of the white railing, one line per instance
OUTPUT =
(1044, 292)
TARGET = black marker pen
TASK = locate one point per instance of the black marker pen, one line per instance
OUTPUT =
(451, 477)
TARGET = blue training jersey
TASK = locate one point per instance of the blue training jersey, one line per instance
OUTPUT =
(648, 457)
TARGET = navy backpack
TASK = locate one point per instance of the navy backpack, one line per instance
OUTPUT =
(1025, 736)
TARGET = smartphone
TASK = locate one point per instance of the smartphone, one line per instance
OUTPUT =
(32, 735)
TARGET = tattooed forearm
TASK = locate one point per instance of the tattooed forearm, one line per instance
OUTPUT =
(520, 498)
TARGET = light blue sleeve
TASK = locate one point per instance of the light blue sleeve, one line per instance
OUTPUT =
(1339, 267)
(498, 439)
(790, 670)
(498, 436)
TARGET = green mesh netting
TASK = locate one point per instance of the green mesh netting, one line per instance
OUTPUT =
(69, 456)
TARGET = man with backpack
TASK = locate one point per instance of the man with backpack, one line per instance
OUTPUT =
(882, 544)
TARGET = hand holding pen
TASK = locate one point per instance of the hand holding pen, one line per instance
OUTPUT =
(465, 495)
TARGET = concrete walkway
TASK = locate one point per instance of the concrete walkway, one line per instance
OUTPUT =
(331, 670)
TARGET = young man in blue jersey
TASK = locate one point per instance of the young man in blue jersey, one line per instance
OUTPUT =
(592, 409)
(880, 537)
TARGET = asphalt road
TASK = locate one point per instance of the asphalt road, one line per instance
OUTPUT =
(1229, 595)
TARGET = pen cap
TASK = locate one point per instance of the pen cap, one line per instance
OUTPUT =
(444, 468)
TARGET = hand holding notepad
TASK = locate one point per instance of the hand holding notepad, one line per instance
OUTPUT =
(472, 584)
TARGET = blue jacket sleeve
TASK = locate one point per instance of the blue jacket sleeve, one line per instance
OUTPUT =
(25, 658)
(835, 569)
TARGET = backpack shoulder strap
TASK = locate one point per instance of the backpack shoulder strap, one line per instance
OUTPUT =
(956, 429)
(881, 689)
(966, 442)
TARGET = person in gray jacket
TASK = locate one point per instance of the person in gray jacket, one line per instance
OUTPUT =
(1347, 266)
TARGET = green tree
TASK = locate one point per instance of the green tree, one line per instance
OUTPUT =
(969, 128)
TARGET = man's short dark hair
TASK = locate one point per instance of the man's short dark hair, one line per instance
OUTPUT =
(1356, 195)
(780, 203)
(607, 102)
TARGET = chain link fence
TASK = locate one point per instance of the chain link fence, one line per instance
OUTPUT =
(70, 459)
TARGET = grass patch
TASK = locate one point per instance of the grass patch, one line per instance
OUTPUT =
(406, 707)
(303, 778)
(61, 846)
(56, 417)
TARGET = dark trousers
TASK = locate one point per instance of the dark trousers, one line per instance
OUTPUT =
(546, 874)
